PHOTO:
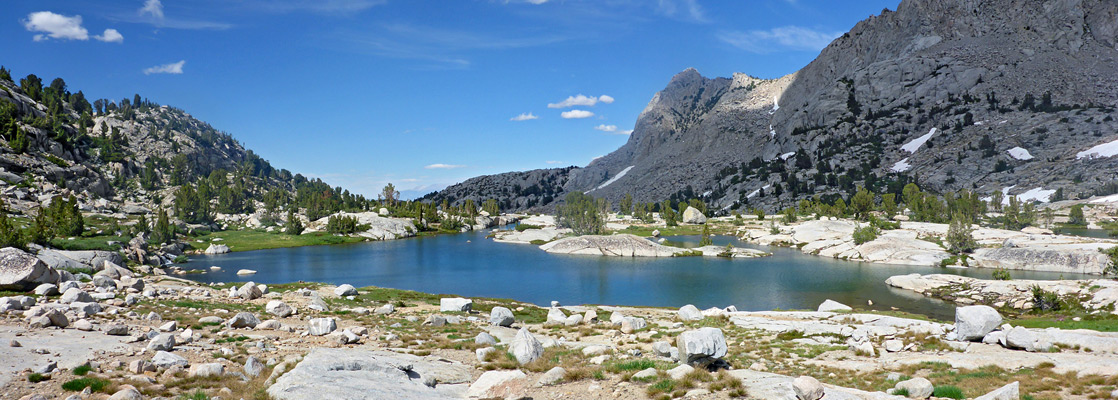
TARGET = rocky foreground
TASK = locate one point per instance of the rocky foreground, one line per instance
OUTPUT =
(121, 335)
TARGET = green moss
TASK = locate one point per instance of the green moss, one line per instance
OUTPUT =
(94, 384)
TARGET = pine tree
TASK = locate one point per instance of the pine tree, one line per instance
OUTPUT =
(294, 226)
(959, 238)
(163, 232)
(9, 234)
(705, 238)
(40, 230)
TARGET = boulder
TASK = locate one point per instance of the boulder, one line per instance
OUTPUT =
(573, 320)
(485, 339)
(321, 326)
(501, 316)
(681, 371)
(1021, 338)
(22, 271)
(807, 388)
(833, 306)
(645, 374)
(693, 216)
(632, 324)
(1011, 391)
(497, 384)
(662, 349)
(894, 345)
(279, 309)
(555, 316)
(456, 304)
(115, 329)
(253, 367)
(689, 313)
(243, 272)
(552, 376)
(217, 249)
(46, 289)
(345, 290)
(701, 346)
(206, 370)
(127, 392)
(243, 320)
(972, 323)
(385, 309)
(249, 291)
(162, 342)
(525, 347)
(112, 270)
(918, 388)
(165, 359)
(75, 294)
(87, 308)
(57, 318)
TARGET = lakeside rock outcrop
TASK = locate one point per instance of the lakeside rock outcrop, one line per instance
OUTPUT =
(625, 245)
(1093, 294)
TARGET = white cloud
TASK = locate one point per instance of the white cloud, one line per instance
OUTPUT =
(55, 26)
(606, 128)
(524, 117)
(172, 68)
(110, 36)
(581, 100)
(625, 132)
(553, 162)
(781, 38)
(443, 166)
(575, 114)
(153, 8)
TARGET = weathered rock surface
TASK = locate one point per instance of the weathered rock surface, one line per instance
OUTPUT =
(362, 374)
(612, 245)
(701, 346)
(833, 306)
(692, 215)
(22, 271)
(501, 316)
(525, 347)
(456, 304)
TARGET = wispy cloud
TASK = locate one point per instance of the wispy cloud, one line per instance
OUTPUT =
(444, 166)
(443, 47)
(581, 100)
(576, 114)
(782, 38)
(606, 128)
(55, 26)
(553, 162)
(315, 6)
(110, 36)
(524, 117)
(683, 9)
(172, 68)
(153, 13)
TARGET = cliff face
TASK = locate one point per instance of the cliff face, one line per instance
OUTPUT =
(985, 95)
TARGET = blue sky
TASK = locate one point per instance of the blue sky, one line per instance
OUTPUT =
(418, 93)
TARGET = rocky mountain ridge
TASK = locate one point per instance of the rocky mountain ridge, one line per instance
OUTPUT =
(986, 95)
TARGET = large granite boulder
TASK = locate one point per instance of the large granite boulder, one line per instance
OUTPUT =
(693, 216)
(22, 271)
(321, 326)
(689, 313)
(918, 388)
(501, 316)
(701, 346)
(525, 347)
(972, 323)
(833, 306)
(279, 309)
(78, 259)
(455, 304)
(217, 249)
(349, 373)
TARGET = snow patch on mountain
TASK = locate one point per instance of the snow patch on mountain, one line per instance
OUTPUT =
(1107, 149)
(915, 144)
(901, 166)
(615, 178)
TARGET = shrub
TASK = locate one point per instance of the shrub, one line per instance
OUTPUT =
(524, 227)
(294, 226)
(181, 259)
(705, 239)
(538, 242)
(903, 392)
(82, 370)
(1001, 274)
(1044, 300)
(688, 253)
(865, 234)
(1112, 266)
(36, 377)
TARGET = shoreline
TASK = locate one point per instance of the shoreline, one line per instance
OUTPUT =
(764, 349)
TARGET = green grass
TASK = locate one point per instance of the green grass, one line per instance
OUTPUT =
(901, 392)
(248, 240)
(681, 230)
(196, 395)
(36, 377)
(94, 384)
(948, 391)
(99, 242)
(1066, 322)
(82, 370)
(232, 339)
